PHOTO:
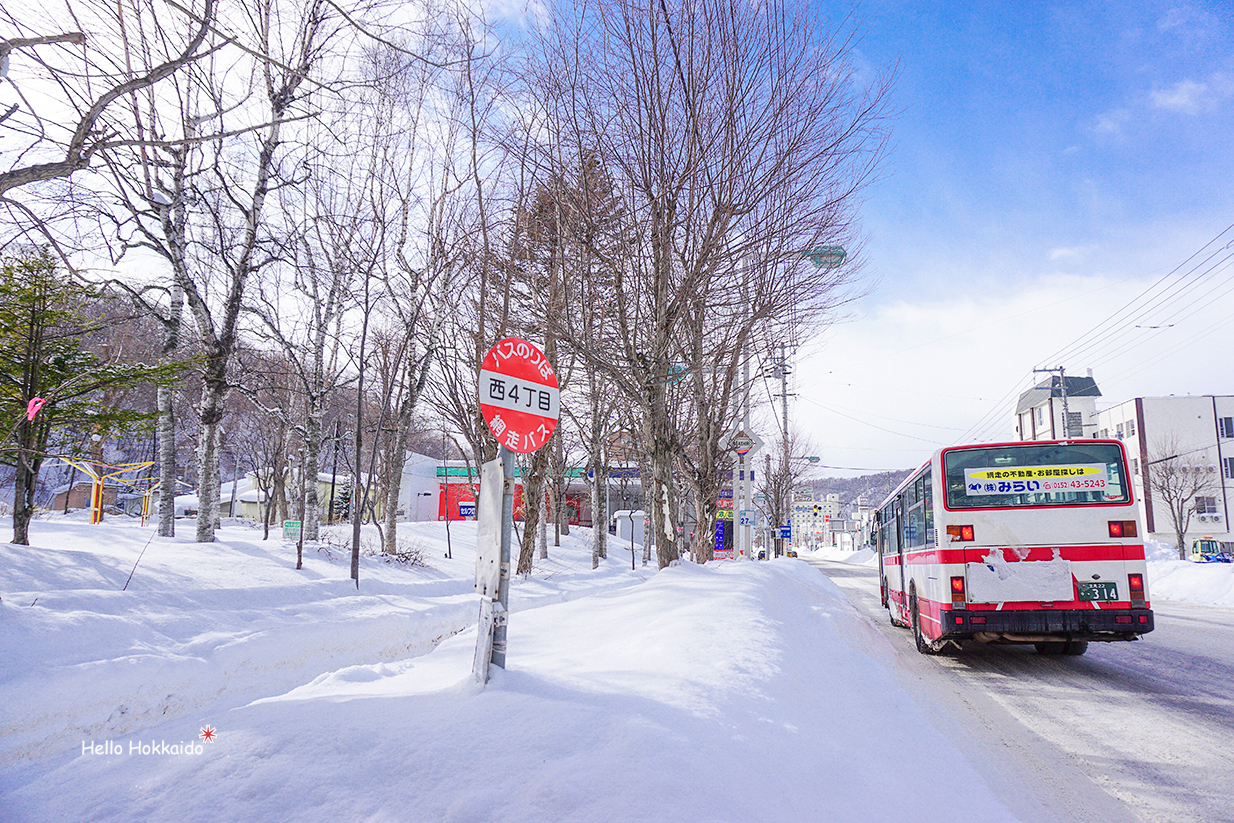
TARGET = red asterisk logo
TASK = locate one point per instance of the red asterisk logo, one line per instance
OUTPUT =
(207, 734)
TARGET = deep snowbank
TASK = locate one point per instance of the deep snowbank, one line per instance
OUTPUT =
(695, 694)
(730, 692)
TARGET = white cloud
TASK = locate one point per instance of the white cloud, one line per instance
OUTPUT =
(891, 386)
(1185, 97)
(1111, 122)
(1176, 18)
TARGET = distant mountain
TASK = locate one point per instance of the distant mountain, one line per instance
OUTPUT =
(872, 487)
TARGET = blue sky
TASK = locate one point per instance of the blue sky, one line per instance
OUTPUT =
(1049, 163)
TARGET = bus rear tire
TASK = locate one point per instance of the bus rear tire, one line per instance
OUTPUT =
(923, 645)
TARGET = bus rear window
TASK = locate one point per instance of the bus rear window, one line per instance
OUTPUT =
(1055, 474)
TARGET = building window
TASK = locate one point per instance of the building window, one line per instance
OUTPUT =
(1229, 466)
(1135, 466)
(1225, 426)
(1131, 428)
(1119, 430)
(1206, 505)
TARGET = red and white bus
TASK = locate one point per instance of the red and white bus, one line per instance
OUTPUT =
(1032, 542)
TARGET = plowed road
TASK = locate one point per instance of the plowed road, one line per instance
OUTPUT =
(1139, 731)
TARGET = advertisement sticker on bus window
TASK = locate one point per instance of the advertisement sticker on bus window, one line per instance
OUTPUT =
(1020, 479)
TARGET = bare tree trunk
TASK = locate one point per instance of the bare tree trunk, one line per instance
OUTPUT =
(544, 505)
(167, 420)
(661, 458)
(599, 508)
(27, 473)
(533, 496)
(207, 477)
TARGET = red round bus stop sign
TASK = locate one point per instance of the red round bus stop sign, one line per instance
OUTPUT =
(519, 396)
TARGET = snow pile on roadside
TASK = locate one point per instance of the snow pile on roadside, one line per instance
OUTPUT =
(730, 692)
(861, 557)
(1208, 584)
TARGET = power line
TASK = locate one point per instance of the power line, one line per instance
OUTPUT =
(1072, 349)
(1137, 308)
(873, 426)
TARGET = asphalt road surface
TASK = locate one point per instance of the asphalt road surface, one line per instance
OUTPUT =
(1140, 731)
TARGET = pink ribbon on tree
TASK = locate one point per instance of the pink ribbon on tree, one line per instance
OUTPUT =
(34, 407)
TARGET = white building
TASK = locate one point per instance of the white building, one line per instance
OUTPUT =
(809, 518)
(1199, 432)
(1044, 410)
(419, 493)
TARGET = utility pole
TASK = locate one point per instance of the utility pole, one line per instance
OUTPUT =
(745, 545)
(787, 490)
(1062, 381)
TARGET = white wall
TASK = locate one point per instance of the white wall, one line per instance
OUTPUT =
(420, 491)
(1145, 425)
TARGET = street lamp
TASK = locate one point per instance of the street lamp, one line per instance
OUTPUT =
(826, 257)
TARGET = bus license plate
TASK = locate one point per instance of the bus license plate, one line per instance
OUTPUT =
(1098, 591)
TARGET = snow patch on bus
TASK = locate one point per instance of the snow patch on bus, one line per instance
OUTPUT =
(994, 580)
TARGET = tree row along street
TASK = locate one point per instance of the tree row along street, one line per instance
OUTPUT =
(325, 214)
(1130, 732)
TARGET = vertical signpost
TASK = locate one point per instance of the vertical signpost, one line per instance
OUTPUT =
(744, 444)
(520, 402)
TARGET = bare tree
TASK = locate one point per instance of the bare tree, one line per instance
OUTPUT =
(233, 197)
(783, 471)
(1176, 478)
(737, 141)
(95, 76)
(303, 315)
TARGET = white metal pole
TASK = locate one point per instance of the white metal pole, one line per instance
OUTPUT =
(498, 656)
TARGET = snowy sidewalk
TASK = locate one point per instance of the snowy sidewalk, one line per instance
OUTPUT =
(731, 692)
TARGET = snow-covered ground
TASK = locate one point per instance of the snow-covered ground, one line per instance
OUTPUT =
(727, 692)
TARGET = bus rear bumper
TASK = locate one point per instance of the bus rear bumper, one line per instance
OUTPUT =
(1036, 626)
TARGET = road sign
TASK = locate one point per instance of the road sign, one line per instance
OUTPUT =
(519, 395)
(291, 529)
(741, 442)
(748, 518)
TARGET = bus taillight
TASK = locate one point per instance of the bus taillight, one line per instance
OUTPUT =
(960, 534)
(957, 592)
(1135, 582)
(1122, 528)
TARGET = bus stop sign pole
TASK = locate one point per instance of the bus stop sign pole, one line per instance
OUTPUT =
(519, 400)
